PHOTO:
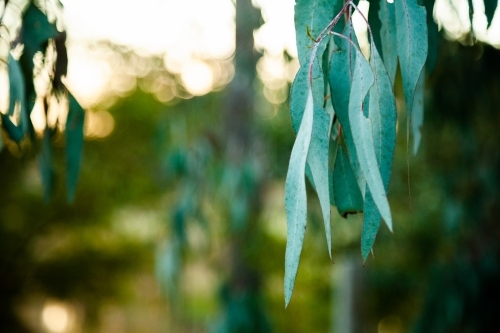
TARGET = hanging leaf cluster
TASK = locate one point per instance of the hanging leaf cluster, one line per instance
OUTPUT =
(343, 111)
(33, 56)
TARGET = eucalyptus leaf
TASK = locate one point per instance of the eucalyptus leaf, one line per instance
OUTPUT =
(346, 192)
(12, 130)
(382, 112)
(489, 9)
(332, 153)
(317, 159)
(341, 72)
(17, 98)
(296, 197)
(361, 128)
(388, 30)
(303, 82)
(311, 17)
(16, 86)
(412, 45)
(375, 23)
(35, 33)
(417, 116)
(433, 31)
(74, 144)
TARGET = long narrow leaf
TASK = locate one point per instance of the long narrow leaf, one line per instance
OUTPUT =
(347, 195)
(417, 115)
(361, 128)
(296, 198)
(382, 112)
(17, 98)
(341, 72)
(389, 50)
(74, 144)
(317, 159)
(311, 17)
(489, 10)
(16, 85)
(412, 45)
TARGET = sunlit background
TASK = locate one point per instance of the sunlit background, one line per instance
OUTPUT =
(196, 40)
(179, 51)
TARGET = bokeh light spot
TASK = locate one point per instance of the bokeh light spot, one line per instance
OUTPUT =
(197, 77)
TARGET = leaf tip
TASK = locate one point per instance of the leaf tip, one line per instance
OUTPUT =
(389, 224)
(288, 296)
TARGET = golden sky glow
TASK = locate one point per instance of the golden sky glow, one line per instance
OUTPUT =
(196, 38)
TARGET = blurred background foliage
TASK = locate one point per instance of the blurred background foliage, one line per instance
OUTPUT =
(178, 222)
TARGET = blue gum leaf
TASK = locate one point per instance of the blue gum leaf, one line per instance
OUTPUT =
(312, 15)
(489, 9)
(361, 127)
(382, 112)
(412, 45)
(388, 30)
(74, 144)
(14, 132)
(417, 115)
(433, 31)
(35, 33)
(17, 98)
(296, 197)
(317, 159)
(341, 73)
(345, 188)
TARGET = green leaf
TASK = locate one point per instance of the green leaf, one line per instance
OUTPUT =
(417, 115)
(311, 17)
(382, 112)
(16, 86)
(14, 132)
(301, 86)
(317, 159)
(36, 32)
(341, 68)
(389, 50)
(17, 97)
(61, 65)
(74, 144)
(412, 45)
(332, 152)
(361, 128)
(40, 29)
(341, 72)
(346, 192)
(296, 198)
(375, 23)
(45, 164)
(489, 9)
(309, 176)
(433, 31)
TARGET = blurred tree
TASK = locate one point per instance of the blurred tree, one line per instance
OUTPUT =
(437, 274)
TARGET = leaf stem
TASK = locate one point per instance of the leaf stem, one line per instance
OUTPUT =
(332, 24)
(364, 18)
(346, 38)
